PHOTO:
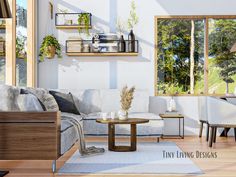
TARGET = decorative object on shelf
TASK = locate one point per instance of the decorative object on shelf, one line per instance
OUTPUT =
(86, 48)
(76, 45)
(80, 21)
(131, 39)
(49, 48)
(121, 44)
(84, 20)
(132, 21)
(172, 105)
(127, 96)
(120, 27)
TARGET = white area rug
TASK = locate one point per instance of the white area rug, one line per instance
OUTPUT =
(148, 159)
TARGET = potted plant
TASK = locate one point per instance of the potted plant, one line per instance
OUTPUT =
(84, 21)
(49, 48)
(127, 96)
(132, 21)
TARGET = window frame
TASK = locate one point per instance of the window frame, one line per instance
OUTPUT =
(10, 73)
(206, 47)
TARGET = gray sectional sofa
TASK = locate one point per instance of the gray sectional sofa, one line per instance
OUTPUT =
(91, 104)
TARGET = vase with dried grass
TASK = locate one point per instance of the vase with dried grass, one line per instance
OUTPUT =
(127, 96)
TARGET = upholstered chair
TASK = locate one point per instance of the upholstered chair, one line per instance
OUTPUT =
(221, 114)
(202, 111)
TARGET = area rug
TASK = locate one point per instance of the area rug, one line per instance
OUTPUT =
(150, 158)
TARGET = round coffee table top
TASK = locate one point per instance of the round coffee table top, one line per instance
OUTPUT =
(128, 121)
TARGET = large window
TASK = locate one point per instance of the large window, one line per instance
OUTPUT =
(194, 56)
(18, 44)
(21, 45)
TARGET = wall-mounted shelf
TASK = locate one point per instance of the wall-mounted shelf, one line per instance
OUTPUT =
(103, 54)
(71, 27)
(70, 21)
(101, 48)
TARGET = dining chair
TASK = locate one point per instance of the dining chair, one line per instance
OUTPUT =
(202, 114)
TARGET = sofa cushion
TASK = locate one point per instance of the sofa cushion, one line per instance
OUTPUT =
(140, 102)
(38, 92)
(110, 100)
(65, 102)
(8, 98)
(91, 101)
(231, 100)
(29, 102)
(68, 132)
(49, 102)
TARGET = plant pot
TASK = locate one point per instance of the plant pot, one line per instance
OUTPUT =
(50, 52)
(123, 115)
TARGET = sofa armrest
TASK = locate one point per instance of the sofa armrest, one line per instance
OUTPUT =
(29, 135)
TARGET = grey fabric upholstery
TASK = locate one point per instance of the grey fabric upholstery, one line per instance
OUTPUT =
(68, 132)
(29, 102)
(8, 98)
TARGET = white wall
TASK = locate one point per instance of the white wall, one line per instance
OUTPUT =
(115, 72)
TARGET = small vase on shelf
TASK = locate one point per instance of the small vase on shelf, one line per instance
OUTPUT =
(121, 44)
(131, 42)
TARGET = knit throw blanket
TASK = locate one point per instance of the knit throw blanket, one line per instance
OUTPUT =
(84, 151)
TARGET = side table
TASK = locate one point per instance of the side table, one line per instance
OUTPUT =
(174, 116)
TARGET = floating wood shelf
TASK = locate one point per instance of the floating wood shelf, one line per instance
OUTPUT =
(71, 27)
(103, 54)
(73, 18)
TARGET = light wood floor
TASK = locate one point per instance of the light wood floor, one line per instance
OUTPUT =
(224, 165)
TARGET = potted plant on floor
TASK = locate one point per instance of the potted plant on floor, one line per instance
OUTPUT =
(49, 48)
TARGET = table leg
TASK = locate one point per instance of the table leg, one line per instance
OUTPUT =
(111, 137)
(133, 137)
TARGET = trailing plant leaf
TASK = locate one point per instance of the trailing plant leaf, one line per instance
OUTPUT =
(49, 41)
(84, 20)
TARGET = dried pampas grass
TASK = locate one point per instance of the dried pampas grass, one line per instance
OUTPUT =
(127, 96)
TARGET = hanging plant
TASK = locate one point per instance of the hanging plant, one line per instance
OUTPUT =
(49, 48)
(84, 21)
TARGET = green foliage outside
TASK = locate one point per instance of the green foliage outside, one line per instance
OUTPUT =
(174, 39)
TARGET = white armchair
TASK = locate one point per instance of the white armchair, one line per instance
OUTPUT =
(220, 114)
(202, 110)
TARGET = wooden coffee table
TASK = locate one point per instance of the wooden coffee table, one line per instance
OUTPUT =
(111, 133)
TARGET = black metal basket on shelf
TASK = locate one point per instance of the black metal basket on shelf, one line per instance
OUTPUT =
(71, 19)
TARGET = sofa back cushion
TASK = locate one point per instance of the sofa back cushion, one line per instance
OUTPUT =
(107, 100)
(111, 101)
(29, 102)
(8, 98)
(140, 102)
